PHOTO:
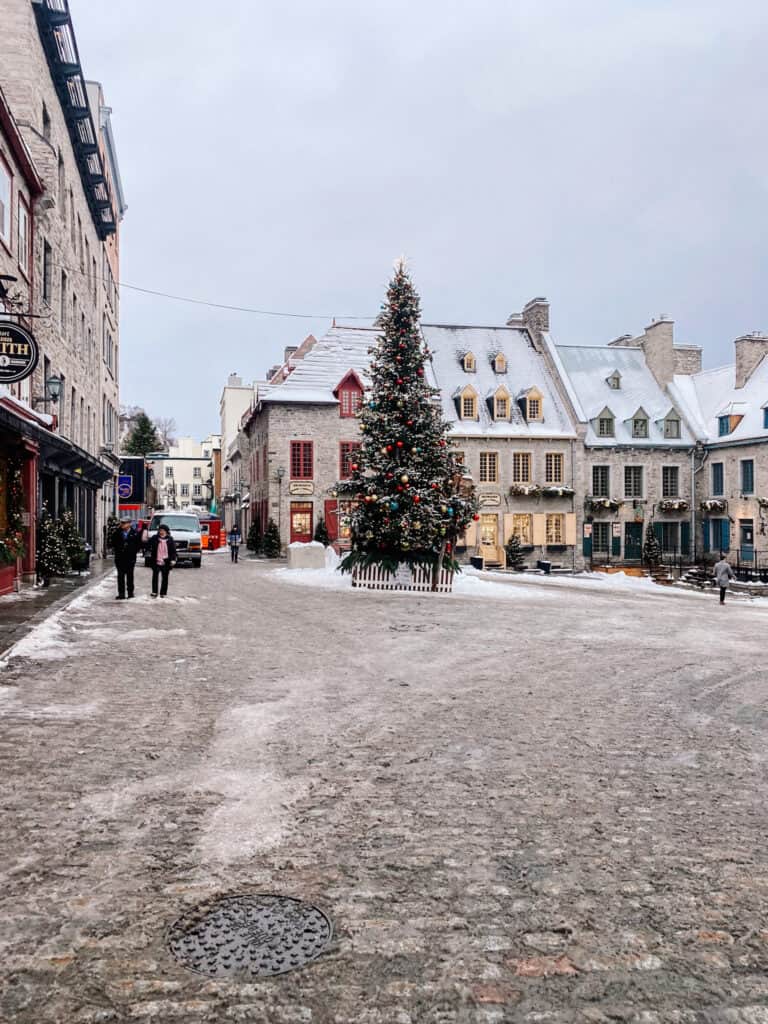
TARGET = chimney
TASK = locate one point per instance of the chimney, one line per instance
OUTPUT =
(535, 317)
(234, 381)
(750, 349)
(290, 349)
(658, 349)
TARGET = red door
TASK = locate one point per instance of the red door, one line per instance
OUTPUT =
(301, 522)
(332, 518)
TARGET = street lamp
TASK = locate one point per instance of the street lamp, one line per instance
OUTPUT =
(53, 387)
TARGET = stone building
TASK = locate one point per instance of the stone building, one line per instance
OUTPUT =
(728, 411)
(74, 260)
(507, 418)
(637, 448)
(236, 399)
(184, 476)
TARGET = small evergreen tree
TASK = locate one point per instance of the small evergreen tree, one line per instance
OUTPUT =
(515, 556)
(52, 558)
(253, 540)
(74, 545)
(113, 525)
(143, 438)
(271, 543)
(651, 548)
(321, 533)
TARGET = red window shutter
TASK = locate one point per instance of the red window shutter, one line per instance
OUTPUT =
(332, 518)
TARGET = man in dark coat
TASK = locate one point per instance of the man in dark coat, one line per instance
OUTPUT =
(125, 543)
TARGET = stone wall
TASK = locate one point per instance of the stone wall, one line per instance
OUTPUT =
(740, 507)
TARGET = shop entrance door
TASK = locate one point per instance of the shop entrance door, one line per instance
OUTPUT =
(301, 522)
(633, 542)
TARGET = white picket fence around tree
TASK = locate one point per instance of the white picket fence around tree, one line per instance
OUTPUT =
(374, 577)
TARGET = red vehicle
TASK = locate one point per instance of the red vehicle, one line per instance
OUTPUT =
(210, 532)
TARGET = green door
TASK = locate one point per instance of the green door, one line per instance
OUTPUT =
(633, 542)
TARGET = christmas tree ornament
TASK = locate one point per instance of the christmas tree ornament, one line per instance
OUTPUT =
(404, 478)
(399, 444)
(417, 498)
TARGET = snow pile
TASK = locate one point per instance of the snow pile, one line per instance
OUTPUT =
(329, 577)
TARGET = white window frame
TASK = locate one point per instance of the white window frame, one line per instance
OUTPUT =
(519, 460)
(488, 461)
(6, 199)
(664, 470)
(522, 527)
(610, 430)
(642, 423)
(551, 460)
(554, 536)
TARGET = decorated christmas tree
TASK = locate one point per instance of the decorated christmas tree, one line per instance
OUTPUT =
(270, 544)
(321, 533)
(74, 545)
(253, 540)
(52, 559)
(408, 505)
(515, 556)
(651, 547)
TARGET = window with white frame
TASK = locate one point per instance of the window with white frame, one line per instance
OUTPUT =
(489, 467)
(605, 426)
(534, 408)
(24, 253)
(197, 491)
(670, 482)
(639, 427)
(633, 481)
(185, 490)
(468, 407)
(197, 472)
(5, 203)
(522, 527)
(521, 467)
(553, 468)
(169, 472)
(555, 528)
(501, 411)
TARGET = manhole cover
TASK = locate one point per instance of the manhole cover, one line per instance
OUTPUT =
(257, 936)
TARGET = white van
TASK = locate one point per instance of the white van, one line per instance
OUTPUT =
(185, 530)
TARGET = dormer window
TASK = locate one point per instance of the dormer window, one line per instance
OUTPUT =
(606, 426)
(501, 410)
(672, 426)
(765, 417)
(499, 363)
(639, 426)
(614, 381)
(350, 395)
(468, 362)
(723, 425)
(532, 406)
(468, 404)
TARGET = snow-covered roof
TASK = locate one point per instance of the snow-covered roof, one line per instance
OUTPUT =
(586, 370)
(526, 370)
(314, 377)
(24, 409)
(705, 396)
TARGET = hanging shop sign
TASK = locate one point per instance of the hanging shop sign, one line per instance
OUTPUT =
(18, 353)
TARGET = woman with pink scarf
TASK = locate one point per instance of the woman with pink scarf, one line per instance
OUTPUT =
(162, 558)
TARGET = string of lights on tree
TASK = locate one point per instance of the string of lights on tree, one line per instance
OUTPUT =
(408, 502)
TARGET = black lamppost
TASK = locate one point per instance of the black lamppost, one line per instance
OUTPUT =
(280, 474)
(53, 386)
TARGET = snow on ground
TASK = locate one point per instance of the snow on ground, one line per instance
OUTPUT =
(471, 582)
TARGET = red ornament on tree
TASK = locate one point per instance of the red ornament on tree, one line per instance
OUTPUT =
(416, 499)
(389, 447)
(399, 380)
(448, 546)
(400, 444)
(354, 466)
(476, 517)
(442, 444)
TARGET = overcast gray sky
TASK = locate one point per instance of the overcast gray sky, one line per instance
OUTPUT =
(609, 154)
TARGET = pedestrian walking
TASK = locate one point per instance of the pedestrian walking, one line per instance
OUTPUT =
(162, 558)
(723, 575)
(125, 544)
(234, 540)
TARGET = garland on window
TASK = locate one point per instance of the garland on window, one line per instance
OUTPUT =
(12, 541)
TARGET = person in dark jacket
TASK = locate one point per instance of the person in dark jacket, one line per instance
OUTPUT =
(125, 544)
(234, 540)
(162, 558)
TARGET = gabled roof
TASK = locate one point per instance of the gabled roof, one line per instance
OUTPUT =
(316, 378)
(526, 369)
(586, 370)
(705, 396)
(350, 377)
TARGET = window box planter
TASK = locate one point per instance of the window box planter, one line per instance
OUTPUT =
(555, 491)
(714, 506)
(525, 490)
(673, 505)
(598, 505)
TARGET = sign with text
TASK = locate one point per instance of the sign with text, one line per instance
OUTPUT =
(587, 529)
(489, 499)
(124, 487)
(296, 487)
(18, 353)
